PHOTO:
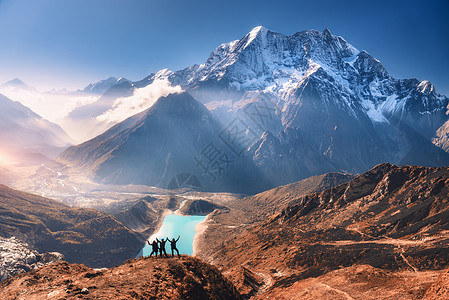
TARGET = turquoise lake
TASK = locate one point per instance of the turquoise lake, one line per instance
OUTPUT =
(172, 226)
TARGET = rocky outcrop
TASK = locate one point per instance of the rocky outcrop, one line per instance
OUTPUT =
(141, 216)
(144, 278)
(18, 257)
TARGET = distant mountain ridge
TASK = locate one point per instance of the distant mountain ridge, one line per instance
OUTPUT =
(23, 130)
(16, 83)
(101, 86)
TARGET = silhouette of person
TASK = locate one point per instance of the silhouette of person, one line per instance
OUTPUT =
(173, 246)
(162, 246)
(155, 248)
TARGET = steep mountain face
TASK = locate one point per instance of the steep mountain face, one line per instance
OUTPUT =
(145, 148)
(156, 145)
(21, 128)
(144, 278)
(82, 235)
(288, 156)
(391, 218)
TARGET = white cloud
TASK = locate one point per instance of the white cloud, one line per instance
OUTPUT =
(141, 100)
(51, 106)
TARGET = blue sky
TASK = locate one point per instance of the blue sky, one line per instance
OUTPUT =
(70, 43)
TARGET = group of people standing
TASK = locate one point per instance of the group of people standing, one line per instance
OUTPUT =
(159, 246)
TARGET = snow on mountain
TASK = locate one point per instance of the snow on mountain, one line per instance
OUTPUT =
(102, 86)
(268, 61)
(265, 59)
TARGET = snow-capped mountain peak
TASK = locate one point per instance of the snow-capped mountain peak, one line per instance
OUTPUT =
(163, 74)
(269, 62)
(425, 87)
(258, 31)
(264, 59)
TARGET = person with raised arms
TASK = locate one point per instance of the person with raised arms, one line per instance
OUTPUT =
(173, 246)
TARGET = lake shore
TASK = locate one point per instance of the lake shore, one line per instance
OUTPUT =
(200, 229)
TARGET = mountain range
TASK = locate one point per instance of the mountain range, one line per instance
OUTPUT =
(290, 107)
(368, 219)
(100, 87)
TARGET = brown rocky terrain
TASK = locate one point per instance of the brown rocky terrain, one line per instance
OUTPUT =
(198, 207)
(361, 282)
(439, 289)
(143, 278)
(145, 215)
(240, 213)
(392, 219)
(81, 235)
